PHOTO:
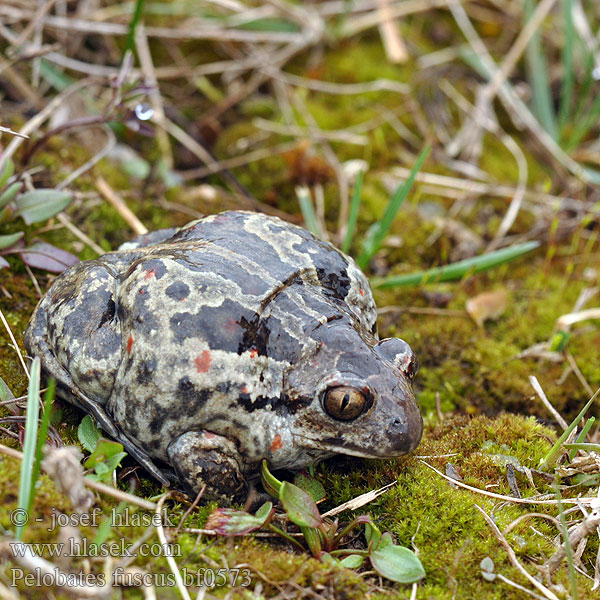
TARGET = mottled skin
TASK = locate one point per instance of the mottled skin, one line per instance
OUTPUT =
(210, 348)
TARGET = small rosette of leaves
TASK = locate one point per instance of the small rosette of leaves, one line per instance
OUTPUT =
(324, 536)
(230, 522)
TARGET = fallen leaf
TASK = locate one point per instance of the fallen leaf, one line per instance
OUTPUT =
(47, 257)
(487, 306)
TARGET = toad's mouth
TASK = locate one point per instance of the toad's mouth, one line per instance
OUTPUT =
(339, 445)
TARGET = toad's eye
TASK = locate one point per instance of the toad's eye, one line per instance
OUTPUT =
(344, 403)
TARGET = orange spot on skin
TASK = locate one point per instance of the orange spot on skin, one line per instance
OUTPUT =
(209, 434)
(253, 353)
(149, 273)
(202, 362)
(244, 390)
(361, 292)
(276, 444)
(129, 344)
(142, 291)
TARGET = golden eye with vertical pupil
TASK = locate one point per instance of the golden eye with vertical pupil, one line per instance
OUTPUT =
(344, 403)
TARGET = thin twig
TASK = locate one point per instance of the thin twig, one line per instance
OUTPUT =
(116, 201)
(170, 560)
(14, 343)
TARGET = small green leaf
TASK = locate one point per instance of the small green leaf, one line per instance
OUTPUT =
(136, 167)
(327, 559)
(353, 561)
(559, 341)
(115, 460)
(271, 484)
(40, 205)
(7, 168)
(102, 470)
(264, 511)
(10, 194)
(229, 522)
(299, 506)
(88, 433)
(6, 241)
(5, 393)
(310, 485)
(372, 533)
(396, 562)
(487, 569)
(104, 450)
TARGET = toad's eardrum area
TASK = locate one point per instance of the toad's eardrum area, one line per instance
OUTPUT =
(237, 338)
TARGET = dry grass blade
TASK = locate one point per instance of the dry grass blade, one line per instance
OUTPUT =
(9, 130)
(513, 557)
(170, 560)
(540, 392)
(588, 501)
(14, 342)
(578, 533)
(359, 501)
(116, 201)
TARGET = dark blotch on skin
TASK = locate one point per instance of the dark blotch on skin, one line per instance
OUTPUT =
(283, 405)
(189, 400)
(338, 283)
(109, 313)
(178, 290)
(145, 371)
(233, 328)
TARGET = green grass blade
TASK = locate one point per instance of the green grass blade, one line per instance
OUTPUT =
(537, 67)
(137, 15)
(308, 211)
(456, 270)
(551, 457)
(582, 435)
(568, 549)
(583, 125)
(588, 447)
(373, 240)
(54, 76)
(31, 426)
(566, 90)
(353, 216)
(43, 432)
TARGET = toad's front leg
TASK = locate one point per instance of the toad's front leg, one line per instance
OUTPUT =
(202, 458)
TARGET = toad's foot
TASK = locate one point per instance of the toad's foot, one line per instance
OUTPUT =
(203, 458)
